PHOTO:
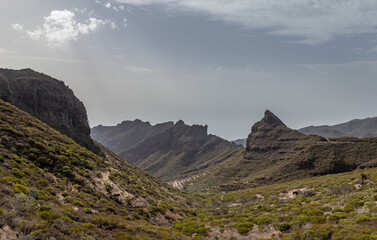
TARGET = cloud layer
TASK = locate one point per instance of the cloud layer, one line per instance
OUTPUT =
(309, 22)
(60, 28)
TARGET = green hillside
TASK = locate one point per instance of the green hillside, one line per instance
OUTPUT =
(336, 206)
(52, 188)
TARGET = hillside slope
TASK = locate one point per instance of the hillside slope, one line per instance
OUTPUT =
(168, 151)
(52, 188)
(356, 128)
(49, 100)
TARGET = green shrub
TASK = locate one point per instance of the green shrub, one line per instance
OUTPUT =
(87, 211)
(243, 227)
(337, 215)
(88, 225)
(47, 215)
(110, 208)
(362, 218)
(320, 232)
(18, 188)
(45, 208)
(78, 203)
(122, 236)
(67, 172)
(17, 173)
(264, 219)
(284, 227)
(66, 219)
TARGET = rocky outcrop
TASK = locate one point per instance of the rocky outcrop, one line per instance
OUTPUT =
(272, 135)
(49, 100)
(276, 153)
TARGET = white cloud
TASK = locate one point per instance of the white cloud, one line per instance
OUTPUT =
(61, 28)
(113, 25)
(125, 22)
(309, 22)
(108, 5)
(17, 27)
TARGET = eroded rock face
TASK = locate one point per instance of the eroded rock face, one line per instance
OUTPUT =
(284, 153)
(271, 133)
(49, 100)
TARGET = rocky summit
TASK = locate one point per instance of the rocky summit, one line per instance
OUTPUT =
(276, 153)
(49, 100)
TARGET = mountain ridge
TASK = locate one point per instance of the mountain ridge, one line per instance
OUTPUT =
(167, 150)
(361, 128)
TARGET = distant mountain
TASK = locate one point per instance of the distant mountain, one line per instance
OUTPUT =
(356, 128)
(241, 142)
(121, 137)
(49, 100)
(276, 153)
(169, 151)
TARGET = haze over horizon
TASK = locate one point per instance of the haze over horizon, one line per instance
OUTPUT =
(215, 63)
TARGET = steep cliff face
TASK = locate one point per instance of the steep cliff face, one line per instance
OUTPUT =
(49, 100)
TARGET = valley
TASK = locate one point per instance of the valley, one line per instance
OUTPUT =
(172, 180)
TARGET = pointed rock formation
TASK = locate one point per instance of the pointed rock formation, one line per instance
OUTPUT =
(275, 152)
(271, 133)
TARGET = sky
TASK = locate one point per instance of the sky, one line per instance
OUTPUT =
(220, 63)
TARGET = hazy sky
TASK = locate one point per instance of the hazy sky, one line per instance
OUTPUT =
(214, 62)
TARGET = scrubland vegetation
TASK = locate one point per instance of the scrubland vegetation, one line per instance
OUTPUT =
(52, 187)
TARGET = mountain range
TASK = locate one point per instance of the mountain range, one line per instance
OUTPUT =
(167, 150)
(57, 183)
(360, 128)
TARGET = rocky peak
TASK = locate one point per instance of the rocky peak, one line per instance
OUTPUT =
(270, 133)
(271, 119)
(49, 100)
(180, 123)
